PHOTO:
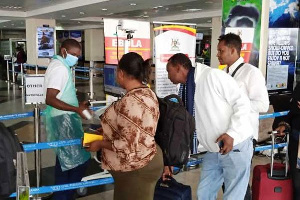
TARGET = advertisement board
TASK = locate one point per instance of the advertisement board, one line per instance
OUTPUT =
(45, 42)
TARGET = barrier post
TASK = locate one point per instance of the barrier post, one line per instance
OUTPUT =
(23, 187)
(13, 72)
(36, 69)
(7, 74)
(73, 74)
(37, 140)
(91, 80)
(22, 76)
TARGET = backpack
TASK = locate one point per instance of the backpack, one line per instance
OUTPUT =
(9, 146)
(174, 131)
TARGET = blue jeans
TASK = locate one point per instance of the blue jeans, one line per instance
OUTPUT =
(70, 176)
(233, 169)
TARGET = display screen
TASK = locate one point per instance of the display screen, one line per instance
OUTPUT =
(110, 80)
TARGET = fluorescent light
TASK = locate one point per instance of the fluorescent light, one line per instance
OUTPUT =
(82, 13)
(63, 16)
(104, 9)
(192, 10)
(133, 4)
(159, 6)
(209, 2)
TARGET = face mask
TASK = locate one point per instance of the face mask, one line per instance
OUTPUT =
(70, 59)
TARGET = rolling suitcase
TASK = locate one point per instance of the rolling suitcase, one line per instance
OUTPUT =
(272, 181)
(172, 190)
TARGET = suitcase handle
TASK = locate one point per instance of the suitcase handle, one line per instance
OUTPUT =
(273, 133)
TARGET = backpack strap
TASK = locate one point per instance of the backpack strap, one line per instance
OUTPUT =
(237, 69)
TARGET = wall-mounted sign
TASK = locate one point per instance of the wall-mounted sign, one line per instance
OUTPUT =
(34, 89)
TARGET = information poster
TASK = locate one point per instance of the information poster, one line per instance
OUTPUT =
(115, 40)
(169, 40)
(45, 37)
(281, 57)
(244, 14)
(282, 44)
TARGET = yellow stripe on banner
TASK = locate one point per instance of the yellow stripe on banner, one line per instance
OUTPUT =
(122, 48)
(176, 26)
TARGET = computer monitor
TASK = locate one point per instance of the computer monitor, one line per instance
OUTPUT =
(110, 81)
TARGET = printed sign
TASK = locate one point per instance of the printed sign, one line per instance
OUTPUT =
(34, 89)
(115, 40)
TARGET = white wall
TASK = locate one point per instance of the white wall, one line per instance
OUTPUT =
(31, 39)
(216, 32)
(94, 44)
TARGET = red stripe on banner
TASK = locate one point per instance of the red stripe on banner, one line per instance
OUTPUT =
(138, 45)
(177, 29)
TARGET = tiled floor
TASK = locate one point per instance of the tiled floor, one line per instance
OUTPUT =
(12, 101)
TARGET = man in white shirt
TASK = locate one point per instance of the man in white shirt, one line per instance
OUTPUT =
(222, 126)
(248, 77)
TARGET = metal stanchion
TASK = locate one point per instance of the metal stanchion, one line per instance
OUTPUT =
(91, 80)
(23, 186)
(37, 140)
(22, 76)
(7, 74)
(36, 69)
(13, 73)
(73, 74)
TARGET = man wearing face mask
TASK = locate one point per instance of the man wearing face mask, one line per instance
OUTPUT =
(63, 117)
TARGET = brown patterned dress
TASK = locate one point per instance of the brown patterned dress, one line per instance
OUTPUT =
(130, 125)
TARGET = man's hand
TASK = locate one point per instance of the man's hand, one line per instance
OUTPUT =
(167, 173)
(82, 106)
(227, 143)
(280, 130)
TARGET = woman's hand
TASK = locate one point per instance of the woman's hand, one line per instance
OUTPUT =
(167, 172)
(94, 146)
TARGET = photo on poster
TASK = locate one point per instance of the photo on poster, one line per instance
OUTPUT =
(244, 14)
(284, 14)
(45, 37)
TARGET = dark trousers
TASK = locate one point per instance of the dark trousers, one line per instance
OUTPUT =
(294, 171)
(70, 176)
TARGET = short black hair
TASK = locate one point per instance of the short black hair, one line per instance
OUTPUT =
(180, 59)
(70, 43)
(134, 65)
(232, 40)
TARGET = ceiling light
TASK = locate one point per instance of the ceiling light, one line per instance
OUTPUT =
(104, 9)
(63, 16)
(78, 22)
(155, 7)
(82, 13)
(209, 2)
(192, 10)
(209, 21)
(145, 16)
(167, 8)
(133, 4)
(109, 14)
(4, 26)
(12, 24)
(159, 6)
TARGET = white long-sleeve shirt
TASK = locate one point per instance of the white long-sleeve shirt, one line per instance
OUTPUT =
(252, 83)
(220, 107)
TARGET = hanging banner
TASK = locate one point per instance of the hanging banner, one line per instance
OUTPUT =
(115, 38)
(244, 14)
(169, 40)
(282, 44)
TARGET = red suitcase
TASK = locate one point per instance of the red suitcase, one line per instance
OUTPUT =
(271, 181)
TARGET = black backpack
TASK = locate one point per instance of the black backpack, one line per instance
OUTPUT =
(175, 130)
(9, 146)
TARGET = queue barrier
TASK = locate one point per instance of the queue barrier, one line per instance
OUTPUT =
(103, 181)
